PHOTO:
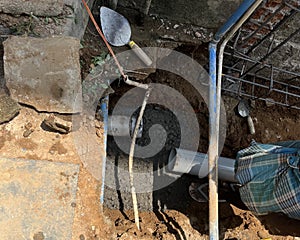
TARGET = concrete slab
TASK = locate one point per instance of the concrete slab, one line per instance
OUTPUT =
(37, 7)
(43, 72)
(37, 199)
(117, 194)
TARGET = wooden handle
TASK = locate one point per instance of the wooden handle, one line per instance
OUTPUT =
(251, 125)
(140, 53)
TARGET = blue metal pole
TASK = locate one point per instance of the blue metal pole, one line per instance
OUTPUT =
(104, 109)
(246, 4)
(214, 112)
(213, 146)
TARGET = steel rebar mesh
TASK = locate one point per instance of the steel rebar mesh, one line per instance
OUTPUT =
(262, 61)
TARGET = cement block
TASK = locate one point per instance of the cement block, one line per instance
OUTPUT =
(37, 7)
(43, 72)
(117, 193)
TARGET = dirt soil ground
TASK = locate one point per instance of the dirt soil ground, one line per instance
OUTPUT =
(187, 219)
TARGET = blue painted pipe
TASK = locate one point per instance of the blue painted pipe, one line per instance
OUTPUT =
(104, 109)
(246, 4)
(214, 105)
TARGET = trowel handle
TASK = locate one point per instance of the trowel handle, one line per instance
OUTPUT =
(251, 125)
(140, 53)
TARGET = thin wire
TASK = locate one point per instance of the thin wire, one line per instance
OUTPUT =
(104, 39)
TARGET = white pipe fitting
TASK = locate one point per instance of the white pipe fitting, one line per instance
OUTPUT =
(195, 163)
(123, 126)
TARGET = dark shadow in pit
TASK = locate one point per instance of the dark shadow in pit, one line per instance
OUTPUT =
(119, 193)
(280, 224)
(176, 197)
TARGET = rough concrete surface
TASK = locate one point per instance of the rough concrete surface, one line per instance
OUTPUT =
(37, 199)
(36, 7)
(43, 72)
(8, 108)
(205, 13)
(117, 194)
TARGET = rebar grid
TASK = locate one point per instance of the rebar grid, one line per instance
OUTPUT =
(262, 61)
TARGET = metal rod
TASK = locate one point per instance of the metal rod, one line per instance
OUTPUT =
(263, 99)
(213, 124)
(213, 146)
(264, 86)
(273, 51)
(278, 25)
(104, 109)
(243, 57)
(262, 25)
(233, 19)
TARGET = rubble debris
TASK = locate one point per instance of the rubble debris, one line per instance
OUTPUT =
(39, 236)
(56, 124)
(8, 108)
(44, 72)
(28, 130)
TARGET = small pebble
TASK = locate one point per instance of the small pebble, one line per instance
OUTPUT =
(198, 35)
(99, 133)
(262, 234)
(27, 132)
(97, 124)
(176, 26)
(39, 236)
(28, 126)
(82, 237)
(270, 102)
(52, 152)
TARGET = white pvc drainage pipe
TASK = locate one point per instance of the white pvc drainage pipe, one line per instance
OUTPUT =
(195, 163)
(123, 126)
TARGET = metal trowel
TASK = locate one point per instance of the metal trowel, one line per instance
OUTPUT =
(117, 32)
(244, 111)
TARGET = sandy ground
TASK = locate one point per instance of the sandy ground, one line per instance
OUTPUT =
(93, 222)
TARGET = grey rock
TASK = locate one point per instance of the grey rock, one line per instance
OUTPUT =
(8, 108)
(56, 124)
(36, 7)
(44, 72)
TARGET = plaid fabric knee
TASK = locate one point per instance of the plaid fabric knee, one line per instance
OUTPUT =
(270, 177)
